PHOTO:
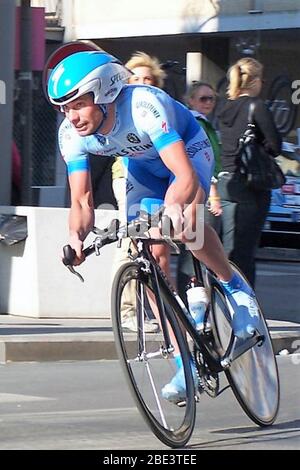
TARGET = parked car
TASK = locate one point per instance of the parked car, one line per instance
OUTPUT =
(282, 226)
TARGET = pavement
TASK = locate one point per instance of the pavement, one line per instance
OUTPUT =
(273, 253)
(24, 339)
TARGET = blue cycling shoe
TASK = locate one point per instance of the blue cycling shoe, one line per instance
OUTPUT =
(242, 305)
(175, 390)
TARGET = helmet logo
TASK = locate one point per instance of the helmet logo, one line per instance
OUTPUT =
(111, 91)
(117, 77)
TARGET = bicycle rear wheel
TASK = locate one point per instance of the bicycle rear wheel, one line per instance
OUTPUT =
(146, 363)
(253, 376)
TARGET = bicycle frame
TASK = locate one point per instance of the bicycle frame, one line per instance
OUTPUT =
(214, 350)
(236, 347)
(160, 281)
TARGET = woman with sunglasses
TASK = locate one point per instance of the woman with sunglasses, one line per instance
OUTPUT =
(201, 100)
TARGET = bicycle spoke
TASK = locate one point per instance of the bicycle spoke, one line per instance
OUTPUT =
(148, 360)
(156, 397)
(253, 376)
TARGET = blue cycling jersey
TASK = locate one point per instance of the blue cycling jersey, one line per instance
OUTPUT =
(147, 120)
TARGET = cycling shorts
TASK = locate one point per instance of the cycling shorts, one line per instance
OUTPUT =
(143, 183)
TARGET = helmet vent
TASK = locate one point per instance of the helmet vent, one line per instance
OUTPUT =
(66, 97)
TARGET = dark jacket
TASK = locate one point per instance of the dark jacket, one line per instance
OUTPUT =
(233, 120)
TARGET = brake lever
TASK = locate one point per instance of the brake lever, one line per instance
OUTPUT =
(69, 256)
(72, 270)
(172, 244)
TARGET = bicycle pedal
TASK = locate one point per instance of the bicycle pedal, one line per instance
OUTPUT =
(181, 404)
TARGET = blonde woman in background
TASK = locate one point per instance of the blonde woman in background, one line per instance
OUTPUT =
(244, 209)
(146, 71)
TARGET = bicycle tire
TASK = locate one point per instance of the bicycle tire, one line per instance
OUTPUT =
(147, 373)
(257, 366)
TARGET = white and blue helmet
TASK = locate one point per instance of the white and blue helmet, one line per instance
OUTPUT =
(87, 72)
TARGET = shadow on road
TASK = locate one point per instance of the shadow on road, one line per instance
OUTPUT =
(255, 435)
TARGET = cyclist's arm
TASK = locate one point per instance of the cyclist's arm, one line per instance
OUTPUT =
(81, 216)
(184, 188)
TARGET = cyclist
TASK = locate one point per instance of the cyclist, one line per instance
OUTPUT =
(168, 157)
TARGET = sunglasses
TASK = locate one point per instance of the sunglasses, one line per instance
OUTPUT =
(206, 99)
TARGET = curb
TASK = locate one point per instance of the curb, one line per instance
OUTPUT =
(278, 254)
(46, 350)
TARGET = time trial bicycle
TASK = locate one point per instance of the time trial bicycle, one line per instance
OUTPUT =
(147, 359)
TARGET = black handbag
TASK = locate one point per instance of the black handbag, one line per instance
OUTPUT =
(258, 167)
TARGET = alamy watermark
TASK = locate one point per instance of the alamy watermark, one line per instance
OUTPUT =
(296, 352)
(191, 233)
(2, 92)
(296, 94)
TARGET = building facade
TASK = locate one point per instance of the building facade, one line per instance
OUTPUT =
(195, 39)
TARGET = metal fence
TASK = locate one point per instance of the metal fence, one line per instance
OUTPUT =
(44, 133)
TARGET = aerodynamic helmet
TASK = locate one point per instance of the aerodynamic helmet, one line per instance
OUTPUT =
(84, 72)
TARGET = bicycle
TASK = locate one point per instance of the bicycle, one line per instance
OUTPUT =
(147, 359)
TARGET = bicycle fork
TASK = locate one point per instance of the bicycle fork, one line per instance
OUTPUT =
(167, 347)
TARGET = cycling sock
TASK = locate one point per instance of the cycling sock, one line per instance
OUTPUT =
(244, 308)
(178, 361)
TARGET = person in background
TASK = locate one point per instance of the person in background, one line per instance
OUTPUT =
(244, 209)
(101, 175)
(146, 70)
(200, 97)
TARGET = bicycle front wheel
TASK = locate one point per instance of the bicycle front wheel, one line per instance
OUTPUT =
(147, 364)
(253, 376)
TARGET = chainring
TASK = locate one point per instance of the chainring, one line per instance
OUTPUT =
(208, 381)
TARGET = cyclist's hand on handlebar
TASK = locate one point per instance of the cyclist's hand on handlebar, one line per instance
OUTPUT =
(73, 253)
